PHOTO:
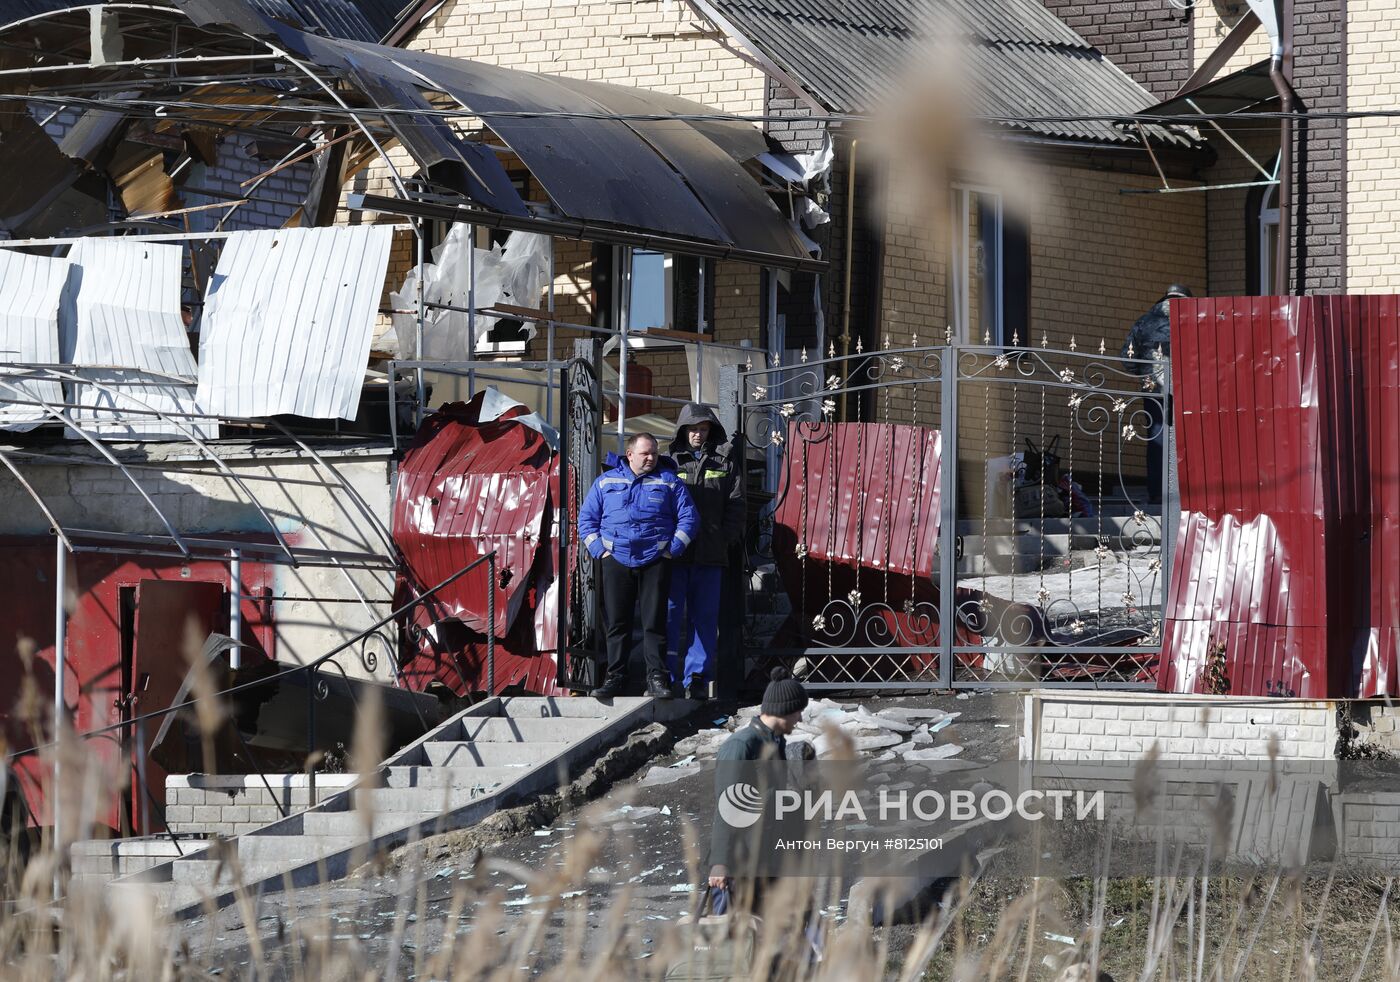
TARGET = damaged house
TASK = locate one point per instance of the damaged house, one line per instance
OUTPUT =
(213, 398)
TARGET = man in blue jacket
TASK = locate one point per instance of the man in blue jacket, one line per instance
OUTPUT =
(637, 515)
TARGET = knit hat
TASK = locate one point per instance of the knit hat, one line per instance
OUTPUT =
(784, 694)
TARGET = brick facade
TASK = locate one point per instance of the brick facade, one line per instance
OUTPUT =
(1149, 39)
(1320, 159)
(1211, 26)
(1372, 184)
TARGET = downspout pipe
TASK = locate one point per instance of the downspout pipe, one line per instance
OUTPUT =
(1288, 101)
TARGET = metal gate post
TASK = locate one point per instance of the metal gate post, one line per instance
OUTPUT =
(731, 668)
(948, 516)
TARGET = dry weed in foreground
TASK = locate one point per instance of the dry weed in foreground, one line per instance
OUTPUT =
(581, 919)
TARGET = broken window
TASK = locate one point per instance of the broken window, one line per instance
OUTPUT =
(664, 290)
(988, 292)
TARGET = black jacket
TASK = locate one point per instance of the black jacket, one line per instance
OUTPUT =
(740, 849)
(712, 475)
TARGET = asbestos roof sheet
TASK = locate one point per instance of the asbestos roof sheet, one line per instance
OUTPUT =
(1023, 61)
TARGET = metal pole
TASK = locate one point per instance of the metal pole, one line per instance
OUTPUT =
(60, 709)
(700, 328)
(491, 624)
(235, 606)
(418, 332)
(948, 518)
(549, 339)
(563, 576)
(624, 307)
(471, 310)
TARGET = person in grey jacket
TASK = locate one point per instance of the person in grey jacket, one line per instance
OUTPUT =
(705, 461)
(1150, 338)
(765, 738)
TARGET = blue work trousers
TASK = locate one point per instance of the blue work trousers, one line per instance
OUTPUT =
(692, 620)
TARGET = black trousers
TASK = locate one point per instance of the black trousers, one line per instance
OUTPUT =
(629, 594)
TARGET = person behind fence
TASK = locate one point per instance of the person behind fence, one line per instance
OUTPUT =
(1150, 338)
(702, 456)
(636, 518)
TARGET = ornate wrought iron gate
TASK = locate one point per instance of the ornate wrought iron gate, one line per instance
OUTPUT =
(580, 455)
(1018, 477)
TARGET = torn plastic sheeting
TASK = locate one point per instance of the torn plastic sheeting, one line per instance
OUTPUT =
(288, 319)
(122, 308)
(30, 288)
(515, 273)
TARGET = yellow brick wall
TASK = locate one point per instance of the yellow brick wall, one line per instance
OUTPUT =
(1099, 258)
(652, 44)
(1211, 28)
(1373, 184)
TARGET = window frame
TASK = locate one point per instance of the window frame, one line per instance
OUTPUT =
(961, 256)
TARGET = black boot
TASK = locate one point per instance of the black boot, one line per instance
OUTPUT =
(610, 688)
(658, 688)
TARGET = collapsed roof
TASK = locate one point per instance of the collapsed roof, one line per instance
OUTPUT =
(146, 78)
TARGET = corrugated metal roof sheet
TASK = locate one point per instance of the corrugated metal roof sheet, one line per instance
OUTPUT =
(288, 319)
(30, 287)
(1023, 60)
(123, 308)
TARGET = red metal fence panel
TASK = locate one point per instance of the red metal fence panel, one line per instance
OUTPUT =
(1288, 551)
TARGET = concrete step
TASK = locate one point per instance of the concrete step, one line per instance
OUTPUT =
(287, 849)
(463, 754)
(523, 729)
(521, 707)
(351, 825)
(428, 800)
(418, 776)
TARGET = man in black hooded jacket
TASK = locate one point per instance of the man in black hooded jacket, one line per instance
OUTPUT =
(704, 461)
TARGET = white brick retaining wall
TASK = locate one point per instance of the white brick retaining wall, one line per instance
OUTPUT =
(230, 804)
(1088, 725)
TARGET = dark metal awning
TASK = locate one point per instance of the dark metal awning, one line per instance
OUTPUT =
(670, 176)
(1237, 93)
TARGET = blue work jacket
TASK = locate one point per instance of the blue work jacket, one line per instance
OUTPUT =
(638, 519)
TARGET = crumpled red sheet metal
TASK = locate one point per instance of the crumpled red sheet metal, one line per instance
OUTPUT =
(463, 488)
(1271, 466)
(862, 501)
